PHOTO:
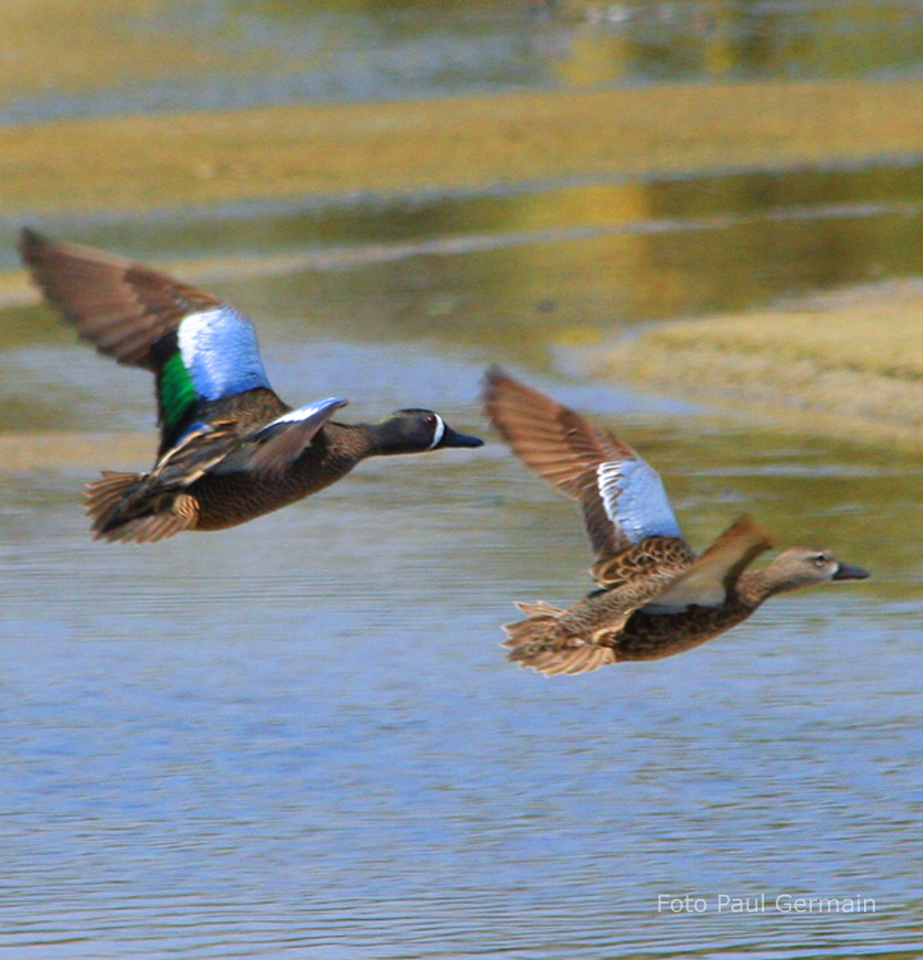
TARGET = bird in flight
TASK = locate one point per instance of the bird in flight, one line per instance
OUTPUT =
(230, 449)
(655, 596)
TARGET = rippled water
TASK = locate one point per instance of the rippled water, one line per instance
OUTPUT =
(299, 737)
(511, 270)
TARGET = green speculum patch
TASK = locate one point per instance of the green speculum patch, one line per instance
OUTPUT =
(177, 394)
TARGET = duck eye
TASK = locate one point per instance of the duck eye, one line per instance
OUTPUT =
(820, 559)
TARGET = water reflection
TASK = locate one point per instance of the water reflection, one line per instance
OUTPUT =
(507, 270)
(654, 42)
(585, 43)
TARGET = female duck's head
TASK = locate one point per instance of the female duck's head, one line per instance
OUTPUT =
(803, 566)
(417, 431)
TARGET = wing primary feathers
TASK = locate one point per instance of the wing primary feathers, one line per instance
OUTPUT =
(200, 349)
(121, 306)
(621, 495)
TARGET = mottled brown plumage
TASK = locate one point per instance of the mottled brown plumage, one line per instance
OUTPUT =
(560, 446)
(230, 449)
(656, 597)
(179, 494)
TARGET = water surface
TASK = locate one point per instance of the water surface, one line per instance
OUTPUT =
(299, 736)
(248, 53)
(516, 268)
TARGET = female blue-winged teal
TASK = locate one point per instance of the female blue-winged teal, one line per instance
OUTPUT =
(230, 449)
(655, 596)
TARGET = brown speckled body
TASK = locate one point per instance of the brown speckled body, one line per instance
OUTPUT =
(163, 501)
(225, 500)
(209, 480)
(623, 622)
(649, 636)
(616, 618)
(656, 597)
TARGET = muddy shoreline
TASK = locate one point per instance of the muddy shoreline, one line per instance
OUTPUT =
(849, 363)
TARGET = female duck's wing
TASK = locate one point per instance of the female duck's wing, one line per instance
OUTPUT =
(200, 349)
(622, 496)
(708, 579)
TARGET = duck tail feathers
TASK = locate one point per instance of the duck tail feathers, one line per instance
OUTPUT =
(536, 643)
(106, 498)
(123, 508)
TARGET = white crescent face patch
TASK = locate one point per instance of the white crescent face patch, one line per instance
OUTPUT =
(439, 432)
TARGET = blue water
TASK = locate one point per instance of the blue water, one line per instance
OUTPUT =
(369, 789)
(299, 737)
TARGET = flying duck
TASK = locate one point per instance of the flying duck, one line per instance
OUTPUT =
(230, 449)
(655, 596)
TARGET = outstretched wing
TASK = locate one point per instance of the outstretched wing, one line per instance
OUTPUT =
(707, 580)
(622, 496)
(199, 349)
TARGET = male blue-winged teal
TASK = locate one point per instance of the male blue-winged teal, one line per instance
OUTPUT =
(655, 597)
(230, 449)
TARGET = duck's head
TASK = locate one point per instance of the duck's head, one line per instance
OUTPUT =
(803, 566)
(417, 431)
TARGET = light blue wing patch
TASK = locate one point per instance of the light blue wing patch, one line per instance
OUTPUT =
(285, 438)
(635, 500)
(220, 353)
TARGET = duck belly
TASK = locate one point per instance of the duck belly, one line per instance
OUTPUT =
(652, 636)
